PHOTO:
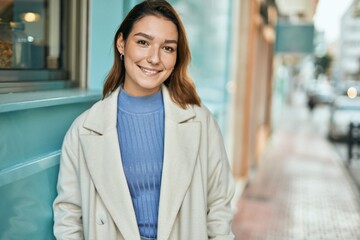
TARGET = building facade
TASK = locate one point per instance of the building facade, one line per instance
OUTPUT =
(349, 48)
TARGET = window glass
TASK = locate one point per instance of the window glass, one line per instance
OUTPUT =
(25, 42)
(33, 45)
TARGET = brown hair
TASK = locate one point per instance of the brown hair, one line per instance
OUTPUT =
(180, 85)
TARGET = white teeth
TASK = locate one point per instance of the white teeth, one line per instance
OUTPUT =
(149, 72)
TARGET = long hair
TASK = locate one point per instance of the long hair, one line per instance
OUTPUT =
(180, 85)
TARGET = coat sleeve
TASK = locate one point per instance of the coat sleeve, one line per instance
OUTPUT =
(221, 186)
(67, 205)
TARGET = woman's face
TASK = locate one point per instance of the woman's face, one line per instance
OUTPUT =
(149, 54)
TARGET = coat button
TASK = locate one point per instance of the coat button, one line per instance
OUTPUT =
(100, 220)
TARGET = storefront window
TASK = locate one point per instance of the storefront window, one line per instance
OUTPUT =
(31, 42)
(28, 30)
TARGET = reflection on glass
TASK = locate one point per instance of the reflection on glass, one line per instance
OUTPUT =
(31, 17)
(21, 46)
(14, 45)
(6, 45)
(25, 33)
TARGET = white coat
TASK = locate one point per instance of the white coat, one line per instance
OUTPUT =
(94, 201)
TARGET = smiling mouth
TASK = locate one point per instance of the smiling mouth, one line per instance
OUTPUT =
(149, 72)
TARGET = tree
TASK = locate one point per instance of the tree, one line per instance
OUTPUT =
(322, 64)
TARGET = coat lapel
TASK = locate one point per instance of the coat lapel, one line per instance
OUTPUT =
(182, 138)
(103, 159)
(102, 154)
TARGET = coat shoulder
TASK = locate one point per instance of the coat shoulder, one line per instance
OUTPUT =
(204, 115)
(79, 121)
(202, 112)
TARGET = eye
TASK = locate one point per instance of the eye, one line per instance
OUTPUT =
(142, 43)
(168, 49)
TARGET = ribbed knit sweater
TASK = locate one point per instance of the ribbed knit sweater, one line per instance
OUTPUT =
(140, 126)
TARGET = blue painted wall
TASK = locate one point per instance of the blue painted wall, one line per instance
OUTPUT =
(209, 38)
(26, 212)
(105, 18)
(32, 128)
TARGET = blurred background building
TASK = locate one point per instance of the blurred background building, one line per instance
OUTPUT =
(350, 43)
(249, 58)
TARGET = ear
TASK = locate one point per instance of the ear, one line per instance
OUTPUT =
(120, 44)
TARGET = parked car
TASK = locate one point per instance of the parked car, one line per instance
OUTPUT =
(344, 110)
(343, 87)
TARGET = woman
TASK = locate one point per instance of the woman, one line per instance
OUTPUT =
(147, 161)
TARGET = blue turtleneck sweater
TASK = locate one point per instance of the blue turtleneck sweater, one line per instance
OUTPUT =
(140, 126)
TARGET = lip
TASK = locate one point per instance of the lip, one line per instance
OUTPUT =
(149, 71)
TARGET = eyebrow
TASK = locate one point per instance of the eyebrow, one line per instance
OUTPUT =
(152, 38)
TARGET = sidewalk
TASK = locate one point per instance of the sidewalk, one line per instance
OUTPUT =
(301, 189)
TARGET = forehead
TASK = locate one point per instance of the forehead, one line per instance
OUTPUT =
(157, 27)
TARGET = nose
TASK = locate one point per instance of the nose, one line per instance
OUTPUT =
(154, 56)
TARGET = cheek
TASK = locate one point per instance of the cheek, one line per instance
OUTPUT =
(170, 62)
(135, 54)
(138, 55)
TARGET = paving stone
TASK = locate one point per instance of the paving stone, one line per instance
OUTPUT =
(300, 191)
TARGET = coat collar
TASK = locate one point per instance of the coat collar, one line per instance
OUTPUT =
(174, 111)
(102, 116)
(102, 154)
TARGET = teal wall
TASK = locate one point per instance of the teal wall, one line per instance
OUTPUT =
(208, 25)
(105, 18)
(32, 127)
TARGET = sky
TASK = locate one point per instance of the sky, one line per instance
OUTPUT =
(328, 16)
